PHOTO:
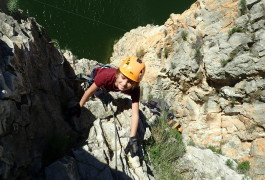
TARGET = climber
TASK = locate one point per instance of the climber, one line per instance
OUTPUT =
(125, 79)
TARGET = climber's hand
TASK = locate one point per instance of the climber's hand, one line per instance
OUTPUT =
(132, 147)
(74, 109)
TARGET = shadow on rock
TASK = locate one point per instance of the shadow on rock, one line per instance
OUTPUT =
(82, 166)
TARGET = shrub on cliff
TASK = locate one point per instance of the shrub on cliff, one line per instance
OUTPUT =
(12, 6)
(164, 149)
(243, 167)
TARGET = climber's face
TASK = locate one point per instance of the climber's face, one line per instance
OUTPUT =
(123, 83)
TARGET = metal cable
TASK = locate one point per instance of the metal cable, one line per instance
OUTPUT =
(85, 17)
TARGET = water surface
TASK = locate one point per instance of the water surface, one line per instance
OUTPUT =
(89, 28)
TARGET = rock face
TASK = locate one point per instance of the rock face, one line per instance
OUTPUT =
(37, 84)
(207, 63)
(200, 164)
(103, 156)
(34, 93)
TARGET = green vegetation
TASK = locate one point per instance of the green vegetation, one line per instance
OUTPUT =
(166, 51)
(225, 61)
(214, 149)
(233, 101)
(149, 97)
(173, 65)
(184, 35)
(164, 148)
(197, 52)
(197, 46)
(12, 6)
(229, 163)
(140, 53)
(191, 143)
(195, 15)
(199, 77)
(235, 29)
(246, 178)
(55, 43)
(198, 55)
(242, 7)
(251, 128)
(243, 167)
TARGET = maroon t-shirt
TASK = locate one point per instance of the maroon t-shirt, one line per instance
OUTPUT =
(106, 78)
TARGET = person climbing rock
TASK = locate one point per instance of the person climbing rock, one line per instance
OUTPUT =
(125, 79)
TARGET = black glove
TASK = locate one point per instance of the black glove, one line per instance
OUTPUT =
(132, 147)
(74, 109)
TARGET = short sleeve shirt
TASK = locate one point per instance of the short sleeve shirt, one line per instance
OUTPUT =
(106, 77)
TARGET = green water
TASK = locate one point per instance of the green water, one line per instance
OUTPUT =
(89, 28)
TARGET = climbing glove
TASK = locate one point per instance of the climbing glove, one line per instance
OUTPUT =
(132, 147)
(74, 109)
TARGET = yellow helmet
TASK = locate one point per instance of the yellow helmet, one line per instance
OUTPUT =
(133, 68)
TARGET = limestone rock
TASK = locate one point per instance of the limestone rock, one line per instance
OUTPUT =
(204, 164)
(65, 169)
(206, 63)
(212, 75)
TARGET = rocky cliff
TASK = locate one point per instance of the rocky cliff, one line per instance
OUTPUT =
(33, 94)
(37, 139)
(208, 63)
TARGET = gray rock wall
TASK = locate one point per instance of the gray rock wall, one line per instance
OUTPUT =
(212, 78)
(36, 142)
(208, 63)
(34, 91)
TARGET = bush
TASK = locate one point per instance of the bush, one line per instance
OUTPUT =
(191, 143)
(214, 149)
(229, 163)
(242, 7)
(224, 62)
(243, 167)
(140, 53)
(235, 29)
(251, 129)
(55, 43)
(164, 149)
(166, 51)
(198, 55)
(184, 35)
(12, 6)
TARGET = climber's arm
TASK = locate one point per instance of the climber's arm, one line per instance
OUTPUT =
(135, 118)
(88, 93)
